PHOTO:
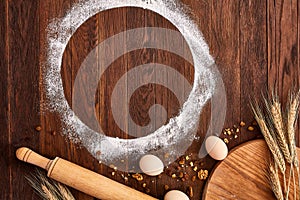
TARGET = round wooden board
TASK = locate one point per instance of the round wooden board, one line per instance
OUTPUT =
(242, 174)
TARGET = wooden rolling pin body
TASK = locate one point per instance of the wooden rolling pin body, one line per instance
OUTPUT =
(81, 179)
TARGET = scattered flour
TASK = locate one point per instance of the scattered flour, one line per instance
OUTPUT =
(171, 138)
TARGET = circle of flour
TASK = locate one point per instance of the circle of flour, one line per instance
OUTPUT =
(171, 139)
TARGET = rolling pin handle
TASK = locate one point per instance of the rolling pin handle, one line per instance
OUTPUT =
(27, 155)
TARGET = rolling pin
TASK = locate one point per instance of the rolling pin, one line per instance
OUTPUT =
(80, 178)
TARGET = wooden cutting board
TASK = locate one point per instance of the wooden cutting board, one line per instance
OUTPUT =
(241, 175)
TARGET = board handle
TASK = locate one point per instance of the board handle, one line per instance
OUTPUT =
(27, 155)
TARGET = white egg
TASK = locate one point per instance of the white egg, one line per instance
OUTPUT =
(216, 148)
(176, 195)
(151, 165)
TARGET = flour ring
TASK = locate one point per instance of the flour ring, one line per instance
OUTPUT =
(172, 139)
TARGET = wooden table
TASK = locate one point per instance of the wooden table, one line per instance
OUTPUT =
(255, 45)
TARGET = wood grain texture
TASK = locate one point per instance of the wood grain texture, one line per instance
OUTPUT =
(49, 121)
(242, 175)
(5, 147)
(253, 51)
(226, 48)
(283, 47)
(24, 100)
(255, 45)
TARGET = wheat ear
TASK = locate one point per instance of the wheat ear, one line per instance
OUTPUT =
(47, 188)
(292, 115)
(272, 144)
(274, 181)
(47, 193)
(291, 120)
(65, 193)
(275, 113)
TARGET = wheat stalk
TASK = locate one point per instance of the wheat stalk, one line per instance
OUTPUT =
(294, 183)
(272, 144)
(47, 193)
(274, 181)
(275, 115)
(49, 189)
(293, 109)
(292, 115)
(65, 192)
(279, 134)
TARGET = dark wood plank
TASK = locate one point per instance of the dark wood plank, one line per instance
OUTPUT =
(271, 30)
(110, 23)
(144, 97)
(170, 101)
(201, 10)
(286, 46)
(283, 47)
(253, 55)
(57, 144)
(50, 144)
(87, 35)
(201, 13)
(5, 148)
(219, 23)
(225, 47)
(24, 95)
